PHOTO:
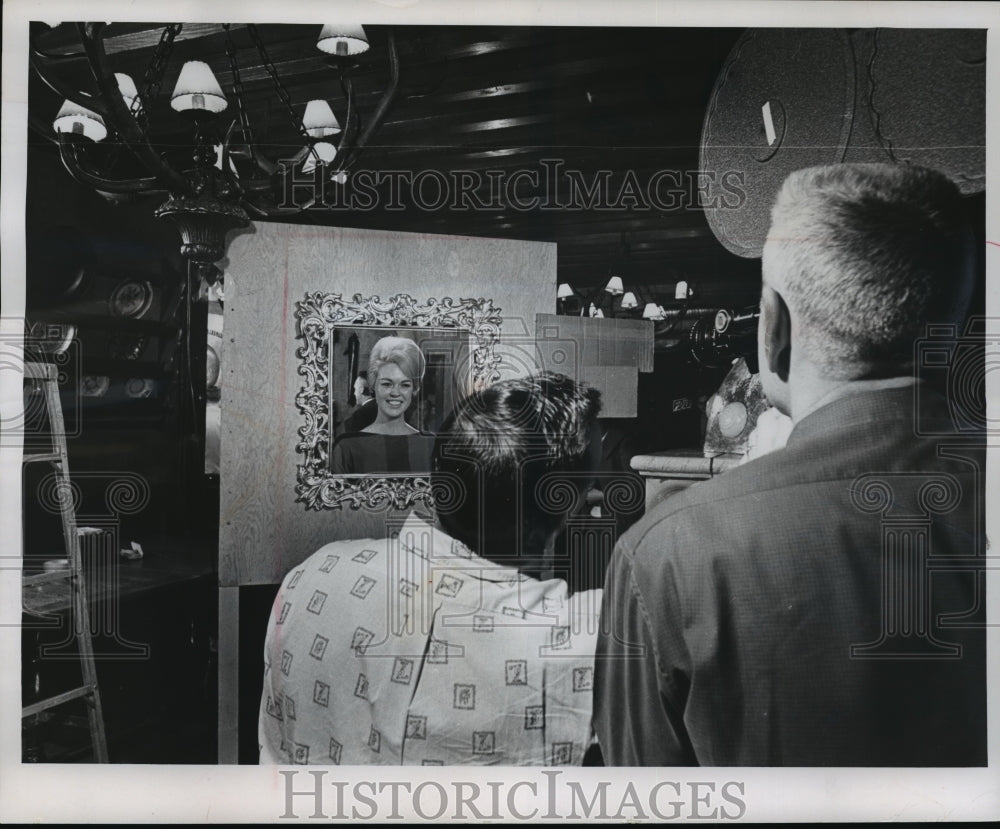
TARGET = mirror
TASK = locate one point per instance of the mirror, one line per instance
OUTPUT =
(368, 444)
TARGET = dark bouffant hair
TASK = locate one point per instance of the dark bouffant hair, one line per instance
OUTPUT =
(507, 449)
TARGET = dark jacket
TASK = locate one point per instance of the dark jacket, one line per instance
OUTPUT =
(789, 611)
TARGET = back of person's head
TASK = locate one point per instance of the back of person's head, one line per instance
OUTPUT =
(865, 256)
(515, 457)
(404, 353)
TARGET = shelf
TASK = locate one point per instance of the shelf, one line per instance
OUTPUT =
(105, 322)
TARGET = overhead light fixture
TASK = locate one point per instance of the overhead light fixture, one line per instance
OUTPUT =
(127, 88)
(74, 119)
(564, 291)
(652, 311)
(614, 286)
(319, 120)
(232, 176)
(343, 41)
(324, 152)
(198, 89)
(629, 301)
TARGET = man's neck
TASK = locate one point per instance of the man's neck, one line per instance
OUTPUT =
(813, 391)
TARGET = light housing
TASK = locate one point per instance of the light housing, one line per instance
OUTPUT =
(319, 120)
(198, 89)
(73, 118)
(342, 41)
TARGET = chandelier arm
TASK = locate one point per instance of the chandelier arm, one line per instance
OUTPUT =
(238, 92)
(384, 103)
(69, 153)
(234, 182)
(262, 162)
(253, 188)
(344, 148)
(42, 129)
(121, 117)
(64, 90)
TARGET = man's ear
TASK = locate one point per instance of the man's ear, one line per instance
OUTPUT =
(777, 332)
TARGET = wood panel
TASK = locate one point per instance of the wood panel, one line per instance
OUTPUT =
(263, 532)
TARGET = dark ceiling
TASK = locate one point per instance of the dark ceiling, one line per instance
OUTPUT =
(497, 108)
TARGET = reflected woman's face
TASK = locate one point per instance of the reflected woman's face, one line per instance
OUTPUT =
(393, 391)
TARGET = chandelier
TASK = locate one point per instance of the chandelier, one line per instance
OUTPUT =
(107, 140)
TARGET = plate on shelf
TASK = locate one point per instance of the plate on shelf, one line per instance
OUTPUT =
(139, 387)
(92, 385)
(131, 298)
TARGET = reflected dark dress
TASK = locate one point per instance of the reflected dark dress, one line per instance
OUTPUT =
(356, 453)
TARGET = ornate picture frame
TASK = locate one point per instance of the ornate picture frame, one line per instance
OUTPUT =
(316, 315)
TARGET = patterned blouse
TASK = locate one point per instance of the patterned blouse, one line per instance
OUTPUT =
(414, 650)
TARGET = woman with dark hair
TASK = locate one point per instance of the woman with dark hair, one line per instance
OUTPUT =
(389, 445)
(448, 643)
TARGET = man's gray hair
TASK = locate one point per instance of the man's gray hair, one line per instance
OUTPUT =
(865, 256)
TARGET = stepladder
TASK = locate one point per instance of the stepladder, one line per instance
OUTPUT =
(44, 377)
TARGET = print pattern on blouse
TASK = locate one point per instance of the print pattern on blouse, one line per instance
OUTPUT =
(414, 650)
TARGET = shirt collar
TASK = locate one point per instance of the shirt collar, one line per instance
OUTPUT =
(422, 538)
(870, 402)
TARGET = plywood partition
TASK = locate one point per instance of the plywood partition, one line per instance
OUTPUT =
(263, 531)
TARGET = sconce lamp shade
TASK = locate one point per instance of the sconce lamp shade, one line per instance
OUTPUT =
(197, 88)
(681, 290)
(629, 301)
(342, 41)
(127, 88)
(565, 290)
(326, 152)
(319, 120)
(614, 286)
(652, 311)
(74, 118)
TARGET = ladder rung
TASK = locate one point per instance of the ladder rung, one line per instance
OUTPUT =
(57, 456)
(59, 699)
(39, 371)
(44, 578)
(38, 457)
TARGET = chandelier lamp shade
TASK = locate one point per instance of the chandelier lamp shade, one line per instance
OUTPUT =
(127, 87)
(198, 89)
(319, 120)
(75, 119)
(343, 41)
(324, 151)
(652, 311)
(222, 175)
(612, 300)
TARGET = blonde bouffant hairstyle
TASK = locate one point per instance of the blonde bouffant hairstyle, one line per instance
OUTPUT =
(400, 351)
